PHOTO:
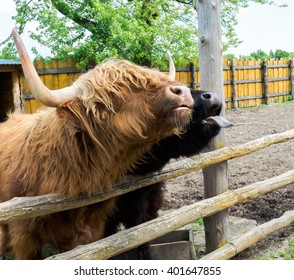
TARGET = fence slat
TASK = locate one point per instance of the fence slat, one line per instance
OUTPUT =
(133, 237)
(291, 77)
(265, 83)
(254, 235)
(29, 207)
(193, 75)
(233, 69)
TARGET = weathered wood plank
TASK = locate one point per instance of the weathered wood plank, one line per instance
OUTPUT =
(234, 98)
(193, 75)
(265, 83)
(291, 77)
(251, 237)
(28, 207)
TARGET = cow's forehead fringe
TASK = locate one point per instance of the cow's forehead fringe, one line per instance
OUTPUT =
(118, 77)
(114, 74)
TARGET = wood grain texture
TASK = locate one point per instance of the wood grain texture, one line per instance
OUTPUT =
(211, 68)
(130, 238)
(235, 246)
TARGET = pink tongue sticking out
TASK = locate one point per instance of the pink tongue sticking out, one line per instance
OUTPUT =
(218, 120)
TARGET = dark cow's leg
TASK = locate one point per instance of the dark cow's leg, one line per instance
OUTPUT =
(155, 201)
(144, 207)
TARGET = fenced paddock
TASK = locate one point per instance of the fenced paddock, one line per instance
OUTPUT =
(21, 208)
(246, 82)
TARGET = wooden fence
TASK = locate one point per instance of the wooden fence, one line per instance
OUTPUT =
(246, 82)
(28, 207)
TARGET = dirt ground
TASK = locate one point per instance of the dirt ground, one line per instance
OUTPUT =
(250, 124)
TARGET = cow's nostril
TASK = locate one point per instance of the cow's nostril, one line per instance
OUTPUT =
(176, 90)
(206, 96)
(184, 97)
(212, 102)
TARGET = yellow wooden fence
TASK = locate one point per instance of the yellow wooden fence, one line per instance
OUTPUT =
(246, 82)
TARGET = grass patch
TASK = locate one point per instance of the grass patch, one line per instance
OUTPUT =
(289, 253)
(198, 225)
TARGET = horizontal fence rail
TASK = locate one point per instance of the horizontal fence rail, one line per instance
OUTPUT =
(246, 82)
(234, 247)
(135, 236)
(29, 207)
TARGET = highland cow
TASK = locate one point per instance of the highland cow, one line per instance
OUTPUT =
(99, 129)
(143, 204)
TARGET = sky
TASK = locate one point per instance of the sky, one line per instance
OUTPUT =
(259, 27)
(265, 27)
(6, 24)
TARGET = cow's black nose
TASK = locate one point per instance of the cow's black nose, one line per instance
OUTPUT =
(211, 97)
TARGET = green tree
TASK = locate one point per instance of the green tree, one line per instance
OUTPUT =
(9, 52)
(229, 56)
(137, 30)
(279, 54)
(259, 54)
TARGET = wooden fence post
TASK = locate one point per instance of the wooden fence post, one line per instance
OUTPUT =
(234, 84)
(265, 83)
(211, 68)
(291, 78)
(193, 75)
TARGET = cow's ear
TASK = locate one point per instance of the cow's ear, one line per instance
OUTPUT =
(73, 111)
(68, 109)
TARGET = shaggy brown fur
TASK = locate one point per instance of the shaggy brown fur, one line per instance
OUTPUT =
(83, 146)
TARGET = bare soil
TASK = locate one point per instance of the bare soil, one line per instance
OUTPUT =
(250, 124)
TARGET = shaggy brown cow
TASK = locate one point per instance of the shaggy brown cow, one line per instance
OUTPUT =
(100, 128)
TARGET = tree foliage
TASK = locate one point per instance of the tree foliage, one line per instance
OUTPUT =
(280, 54)
(260, 54)
(138, 30)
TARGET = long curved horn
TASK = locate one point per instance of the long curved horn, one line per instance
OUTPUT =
(172, 68)
(51, 98)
